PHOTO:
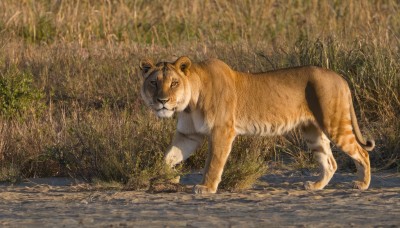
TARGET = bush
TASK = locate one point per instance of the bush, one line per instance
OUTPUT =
(246, 163)
(17, 94)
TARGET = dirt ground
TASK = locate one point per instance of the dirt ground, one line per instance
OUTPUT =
(277, 200)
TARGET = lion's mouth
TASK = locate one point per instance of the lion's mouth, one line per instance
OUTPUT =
(165, 112)
(165, 108)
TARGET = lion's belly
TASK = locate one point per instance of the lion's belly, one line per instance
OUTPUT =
(195, 123)
(265, 128)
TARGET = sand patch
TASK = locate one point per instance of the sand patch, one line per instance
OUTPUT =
(277, 200)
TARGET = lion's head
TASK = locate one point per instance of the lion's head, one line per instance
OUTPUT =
(166, 87)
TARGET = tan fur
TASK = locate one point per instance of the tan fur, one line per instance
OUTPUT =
(214, 101)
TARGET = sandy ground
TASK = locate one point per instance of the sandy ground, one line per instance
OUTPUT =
(277, 200)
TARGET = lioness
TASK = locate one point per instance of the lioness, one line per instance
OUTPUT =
(214, 101)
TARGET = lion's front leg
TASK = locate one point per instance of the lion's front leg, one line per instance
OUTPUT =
(220, 146)
(182, 147)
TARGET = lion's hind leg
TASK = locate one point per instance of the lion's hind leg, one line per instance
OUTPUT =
(348, 144)
(343, 136)
(319, 144)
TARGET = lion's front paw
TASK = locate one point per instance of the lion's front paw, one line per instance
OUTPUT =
(360, 185)
(201, 189)
(309, 185)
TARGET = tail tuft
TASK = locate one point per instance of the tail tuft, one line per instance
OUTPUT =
(369, 145)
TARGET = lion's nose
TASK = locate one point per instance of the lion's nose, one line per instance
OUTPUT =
(163, 101)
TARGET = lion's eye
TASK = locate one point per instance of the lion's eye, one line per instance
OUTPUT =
(153, 83)
(174, 84)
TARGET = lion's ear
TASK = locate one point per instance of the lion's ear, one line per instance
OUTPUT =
(183, 64)
(145, 66)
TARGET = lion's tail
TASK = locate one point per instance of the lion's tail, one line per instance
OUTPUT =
(368, 144)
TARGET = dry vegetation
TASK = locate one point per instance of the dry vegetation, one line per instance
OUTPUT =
(69, 100)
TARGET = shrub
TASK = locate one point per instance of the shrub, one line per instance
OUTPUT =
(17, 94)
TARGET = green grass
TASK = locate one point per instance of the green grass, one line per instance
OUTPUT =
(69, 80)
(18, 96)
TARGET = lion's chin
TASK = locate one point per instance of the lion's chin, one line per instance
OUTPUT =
(165, 113)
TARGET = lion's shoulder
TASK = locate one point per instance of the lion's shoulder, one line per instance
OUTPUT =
(213, 68)
(212, 64)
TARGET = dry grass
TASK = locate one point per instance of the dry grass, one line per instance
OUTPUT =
(82, 115)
